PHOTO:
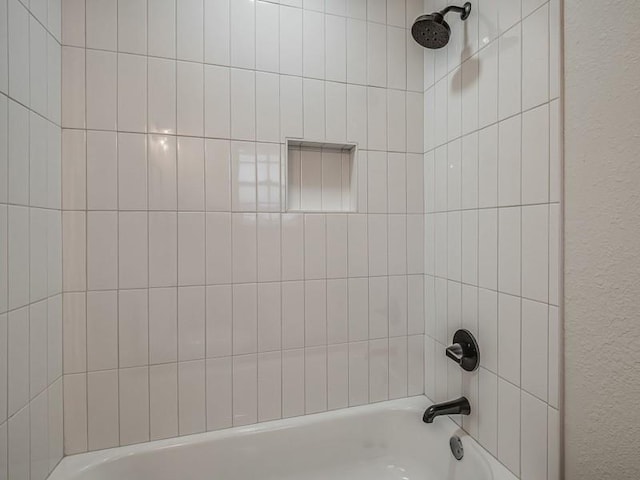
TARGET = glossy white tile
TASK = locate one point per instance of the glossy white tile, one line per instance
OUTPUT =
(191, 323)
(535, 329)
(190, 95)
(163, 249)
(133, 328)
(219, 400)
(219, 318)
(163, 396)
(162, 28)
(132, 250)
(190, 30)
(191, 397)
(245, 386)
(242, 33)
(132, 93)
(535, 155)
(133, 390)
(510, 162)
(534, 438)
(191, 248)
(102, 409)
(509, 250)
(132, 171)
(290, 40)
(217, 27)
(101, 24)
(509, 428)
(101, 93)
(163, 325)
(269, 386)
(132, 26)
(245, 322)
(535, 58)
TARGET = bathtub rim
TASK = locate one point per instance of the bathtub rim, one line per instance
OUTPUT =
(73, 465)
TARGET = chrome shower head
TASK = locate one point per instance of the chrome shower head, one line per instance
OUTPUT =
(432, 31)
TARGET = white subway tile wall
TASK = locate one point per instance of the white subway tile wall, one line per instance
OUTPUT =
(194, 299)
(31, 360)
(492, 198)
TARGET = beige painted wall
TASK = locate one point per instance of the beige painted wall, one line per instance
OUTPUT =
(602, 239)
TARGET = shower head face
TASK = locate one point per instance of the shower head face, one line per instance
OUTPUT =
(431, 31)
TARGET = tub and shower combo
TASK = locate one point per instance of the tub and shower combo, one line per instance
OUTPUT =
(393, 440)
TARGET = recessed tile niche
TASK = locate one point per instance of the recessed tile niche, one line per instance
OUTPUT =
(321, 177)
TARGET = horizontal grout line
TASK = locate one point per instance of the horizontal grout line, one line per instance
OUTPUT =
(493, 124)
(256, 353)
(242, 212)
(28, 404)
(35, 302)
(497, 207)
(232, 140)
(31, 110)
(31, 207)
(257, 283)
(499, 292)
(46, 27)
(257, 70)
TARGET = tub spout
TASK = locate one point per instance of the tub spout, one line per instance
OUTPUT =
(459, 406)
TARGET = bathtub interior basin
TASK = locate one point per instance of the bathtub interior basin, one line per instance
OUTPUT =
(384, 441)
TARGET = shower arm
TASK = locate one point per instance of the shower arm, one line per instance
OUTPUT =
(464, 11)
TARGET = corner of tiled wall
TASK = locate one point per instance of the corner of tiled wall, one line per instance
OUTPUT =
(31, 424)
(492, 221)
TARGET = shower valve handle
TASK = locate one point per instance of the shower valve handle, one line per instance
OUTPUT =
(455, 352)
(464, 350)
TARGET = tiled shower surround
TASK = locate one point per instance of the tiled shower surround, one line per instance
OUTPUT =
(31, 392)
(189, 298)
(493, 211)
(193, 300)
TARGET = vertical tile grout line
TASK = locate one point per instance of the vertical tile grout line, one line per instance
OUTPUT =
(175, 154)
(368, 216)
(496, 42)
(146, 155)
(406, 202)
(304, 227)
(258, 206)
(256, 215)
(549, 247)
(388, 210)
(459, 66)
(232, 215)
(521, 209)
(204, 217)
(6, 247)
(29, 214)
(117, 138)
(477, 244)
(146, 151)
(86, 205)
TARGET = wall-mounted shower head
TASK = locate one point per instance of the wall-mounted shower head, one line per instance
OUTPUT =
(431, 31)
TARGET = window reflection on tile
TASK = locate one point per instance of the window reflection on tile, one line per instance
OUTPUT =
(243, 176)
(268, 177)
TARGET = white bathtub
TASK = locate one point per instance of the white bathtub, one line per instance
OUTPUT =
(382, 441)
